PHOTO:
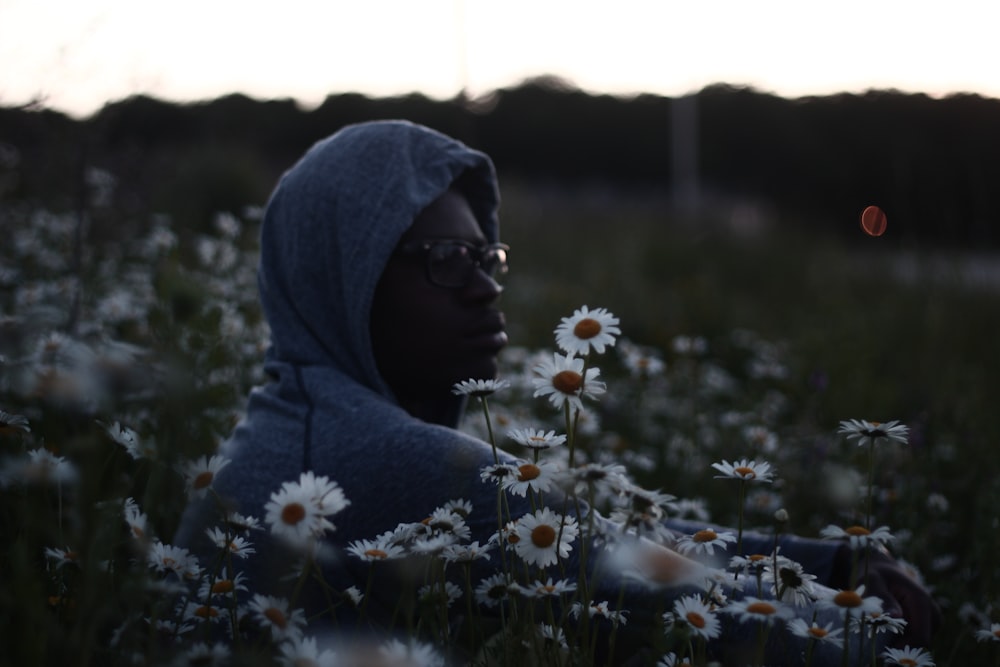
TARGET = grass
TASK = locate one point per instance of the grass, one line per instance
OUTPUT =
(856, 340)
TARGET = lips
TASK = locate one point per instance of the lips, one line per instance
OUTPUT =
(488, 331)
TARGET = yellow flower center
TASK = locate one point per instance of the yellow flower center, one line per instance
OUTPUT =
(292, 513)
(587, 328)
(706, 535)
(543, 536)
(276, 616)
(996, 633)
(848, 599)
(762, 608)
(376, 553)
(695, 619)
(548, 588)
(512, 538)
(138, 532)
(818, 633)
(756, 558)
(858, 531)
(568, 382)
(528, 472)
(745, 472)
(206, 612)
(907, 661)
(223, 586)
(203, 480)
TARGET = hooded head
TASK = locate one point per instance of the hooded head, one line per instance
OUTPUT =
(334, 222)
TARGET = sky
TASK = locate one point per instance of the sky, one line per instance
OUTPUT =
(77, 55)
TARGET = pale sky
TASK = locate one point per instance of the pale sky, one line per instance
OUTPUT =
(77, 55)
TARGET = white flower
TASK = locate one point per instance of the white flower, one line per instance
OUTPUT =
(791, 583)
(478, 388)
(548, 588)
(879, 622)
(223, 585)
(200, 474)
(852, 603)
(298, 511)
(600, 610)
(272, 613)
(466, 553)
(413, 653)
(537, 477)
(744, 469)
(641, 361)
(587, 330)
(167, 558)
(544, 537)
(131, 441)
(814, 631)
(698, 616)
(704, 542)
(11, 423)
(235, 544)
(755, 609)
(866, 432)
(62, 557)
(910, 657)
(302, 651)
(989, 635)
(536, 438)
(201, 653)
(498, 473)
(435, 594)
(859, 537)
(564, 380)
(380, 549)
(493, 589)
(137, 521)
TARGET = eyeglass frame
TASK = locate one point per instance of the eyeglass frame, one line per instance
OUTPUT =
(476, 253)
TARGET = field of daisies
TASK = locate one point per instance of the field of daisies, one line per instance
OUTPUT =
(658, 370)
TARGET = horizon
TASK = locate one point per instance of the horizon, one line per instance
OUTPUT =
(76, 59)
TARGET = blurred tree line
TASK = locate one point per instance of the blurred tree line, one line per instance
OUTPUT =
(932, 164)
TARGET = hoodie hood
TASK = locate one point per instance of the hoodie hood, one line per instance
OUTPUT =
(332, 223)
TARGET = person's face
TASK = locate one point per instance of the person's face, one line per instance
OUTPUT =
(427, 337)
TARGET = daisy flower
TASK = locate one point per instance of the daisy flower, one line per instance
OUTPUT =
(493, 589)
(297, 512)
(200, 474)
(498, 473)
(413, 652)
(600, 610)
(548, 588)
(866, 432)
(466, 553)
(820, 633)
(436, 594)
(209, 655)
(604, 479)
(130, 441)
(587, 330)
(380, 549)
(750, 565)
(552, 634)
(459, 506)
(691, 611)
(704, 542)
(859, 537)
(222, 585)
(235, 544)
(564, 381)
(478, 388)
(672, 660)
(137, 521)
(544, 537)
(273, 614)
(300, 651)
(167, 558)
(11, 423)
(852, 603)
(880, 622)
(910, 657)
(537, 477)
(755, 609)
(536, 439)
(744, 469)
(243, 524)
(791, 583)
(990, 635)
(641, 361)
(62, 557)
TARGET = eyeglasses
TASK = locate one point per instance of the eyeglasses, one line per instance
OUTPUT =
(450, 262)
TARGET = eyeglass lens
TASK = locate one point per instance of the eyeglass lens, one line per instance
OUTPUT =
(452, 264)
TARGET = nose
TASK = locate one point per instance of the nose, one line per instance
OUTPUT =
(482, 288)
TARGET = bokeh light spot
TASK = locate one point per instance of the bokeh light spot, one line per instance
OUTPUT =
(873, 221)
